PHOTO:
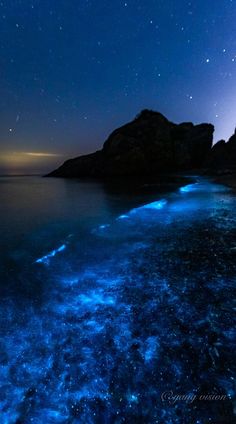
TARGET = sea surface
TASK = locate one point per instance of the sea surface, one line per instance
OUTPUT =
(116, 302)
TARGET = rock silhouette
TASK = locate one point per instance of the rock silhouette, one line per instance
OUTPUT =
(222, 157)
(148, 145)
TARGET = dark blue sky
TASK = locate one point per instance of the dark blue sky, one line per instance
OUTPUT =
(73, 70)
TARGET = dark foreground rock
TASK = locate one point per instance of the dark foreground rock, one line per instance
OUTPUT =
(149, 145)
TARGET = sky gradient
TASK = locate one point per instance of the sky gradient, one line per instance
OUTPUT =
(71, 71)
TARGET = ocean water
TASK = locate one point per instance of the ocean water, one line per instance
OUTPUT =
(116, 302)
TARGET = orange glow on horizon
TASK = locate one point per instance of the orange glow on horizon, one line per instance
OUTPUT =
(14, 162)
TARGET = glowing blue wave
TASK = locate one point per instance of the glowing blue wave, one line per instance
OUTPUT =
(159, 204)
(189, 188)
(45, 259)
(127, 321)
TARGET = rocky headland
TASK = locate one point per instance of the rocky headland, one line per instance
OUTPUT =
(152, 145)
(221, 162)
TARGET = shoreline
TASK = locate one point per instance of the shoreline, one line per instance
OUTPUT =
(228, 180)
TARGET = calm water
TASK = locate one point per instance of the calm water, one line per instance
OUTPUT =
(115, 301)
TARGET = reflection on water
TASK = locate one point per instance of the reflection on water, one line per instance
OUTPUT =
(119, 305)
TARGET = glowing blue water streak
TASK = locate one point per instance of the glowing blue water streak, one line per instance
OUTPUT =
(159, 204)
(45, 259)
(102, 227)
(123, 217)
(188, 188)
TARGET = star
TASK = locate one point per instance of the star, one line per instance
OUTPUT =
(84, 73)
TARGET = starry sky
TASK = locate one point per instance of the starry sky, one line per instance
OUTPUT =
(71, 71)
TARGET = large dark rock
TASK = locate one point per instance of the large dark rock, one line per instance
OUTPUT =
(148, 145)
(222, 157)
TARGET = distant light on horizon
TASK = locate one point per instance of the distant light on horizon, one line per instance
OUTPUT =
(41, 154)
(86, 83)
(24, 162)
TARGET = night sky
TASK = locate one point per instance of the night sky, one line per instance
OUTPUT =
(73, 70)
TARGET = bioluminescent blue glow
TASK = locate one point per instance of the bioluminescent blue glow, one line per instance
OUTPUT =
(132, 398)
(123, 216)
(103, 226)
(188, 188)
(126, 315)
(45, 259)
(95, 299)
(203, 186)
(156, 205)
(159, 204)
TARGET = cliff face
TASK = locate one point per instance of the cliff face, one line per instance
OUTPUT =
(222, 157)
(148, 145)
